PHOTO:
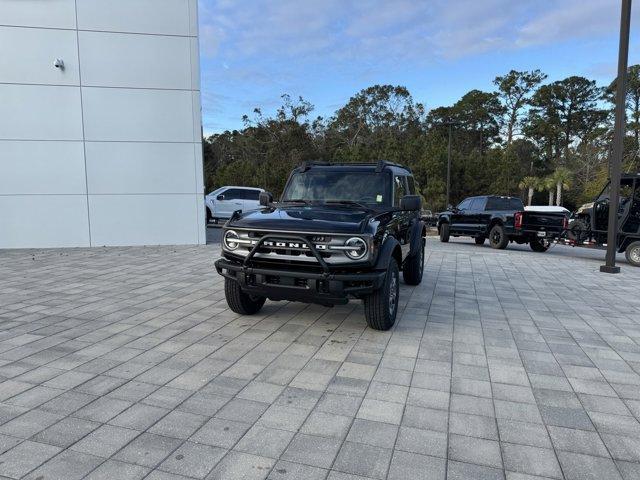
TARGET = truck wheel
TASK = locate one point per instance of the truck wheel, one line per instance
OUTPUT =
(381, 306)
(498, 237)
(239, 301)
(633, 254)
(539, 245)
(479, 240)
(444, 232)
(413, 268)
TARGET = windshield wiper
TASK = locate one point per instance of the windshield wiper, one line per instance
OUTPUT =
(349, 202)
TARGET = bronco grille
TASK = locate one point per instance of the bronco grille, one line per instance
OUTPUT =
(283, 247)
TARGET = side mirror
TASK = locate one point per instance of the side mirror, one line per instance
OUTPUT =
(220, 197)
(411, 202)
(265, 199)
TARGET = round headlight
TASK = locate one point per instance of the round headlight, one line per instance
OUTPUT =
(231, 240)
(359, 249)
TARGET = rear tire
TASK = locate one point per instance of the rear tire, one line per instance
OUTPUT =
(444, 232)
(479, 240)
(498, 238)
(381, 306)
(539, 245)
(633, 254)
(209, 217)
(414, 268)
(239, 301)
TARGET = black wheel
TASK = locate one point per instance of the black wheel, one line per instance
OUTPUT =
(381, 306)
(498, 237)
(414, 268)
(239, 301)
(209, 217)
(539, 245)
(479, 240)
(633, 254)
(444, 232)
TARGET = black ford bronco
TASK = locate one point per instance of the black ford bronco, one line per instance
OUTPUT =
(339, 231)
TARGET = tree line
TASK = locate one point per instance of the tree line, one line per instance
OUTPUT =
(548, 142)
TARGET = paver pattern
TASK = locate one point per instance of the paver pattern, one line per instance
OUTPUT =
(125, 363)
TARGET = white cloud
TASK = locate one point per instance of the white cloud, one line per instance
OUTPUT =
(357, 29)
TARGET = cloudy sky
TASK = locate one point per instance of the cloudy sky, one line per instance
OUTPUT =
(253, 51)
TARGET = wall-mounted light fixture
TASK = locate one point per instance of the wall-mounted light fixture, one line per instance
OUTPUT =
(59, 63)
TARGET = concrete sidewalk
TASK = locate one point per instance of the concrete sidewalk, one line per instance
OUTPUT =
(125, 363)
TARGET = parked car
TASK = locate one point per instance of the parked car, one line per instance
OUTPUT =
(501, 220)
(340, 231)
(221, 203)
(590, 223)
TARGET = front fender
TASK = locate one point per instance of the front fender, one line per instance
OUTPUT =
(390, 247)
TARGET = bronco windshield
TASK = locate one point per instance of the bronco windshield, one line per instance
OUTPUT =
(365, 187)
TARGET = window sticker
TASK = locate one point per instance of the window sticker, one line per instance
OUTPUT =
(379, 198)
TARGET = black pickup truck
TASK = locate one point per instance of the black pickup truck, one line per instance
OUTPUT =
(501, 220)
(339, 231)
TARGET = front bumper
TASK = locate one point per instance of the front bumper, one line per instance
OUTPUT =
(326, 288)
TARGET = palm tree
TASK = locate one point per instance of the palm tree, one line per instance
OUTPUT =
(562, 179)
(547, 183)
(530, 184)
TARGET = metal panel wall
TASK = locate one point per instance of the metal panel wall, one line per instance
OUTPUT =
(106, 151)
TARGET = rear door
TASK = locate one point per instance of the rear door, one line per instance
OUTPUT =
(229, 201)
(251, 199)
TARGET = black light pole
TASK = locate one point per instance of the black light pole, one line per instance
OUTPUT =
(450, 124)
(618, 140)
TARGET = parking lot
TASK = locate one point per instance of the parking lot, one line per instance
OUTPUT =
(125, 363)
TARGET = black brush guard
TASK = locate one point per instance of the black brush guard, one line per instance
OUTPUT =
(326, 288)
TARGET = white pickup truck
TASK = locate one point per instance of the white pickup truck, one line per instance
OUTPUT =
(222, 202)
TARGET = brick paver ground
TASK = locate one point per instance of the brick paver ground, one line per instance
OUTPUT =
(125, 363)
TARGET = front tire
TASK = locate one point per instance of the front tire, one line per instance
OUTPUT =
(444, 232)
(239, 301)
(539, 245)
(633, 254)
(414, 268)
(498, 238)
(381, 306)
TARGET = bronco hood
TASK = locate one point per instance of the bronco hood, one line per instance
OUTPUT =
(303, 218)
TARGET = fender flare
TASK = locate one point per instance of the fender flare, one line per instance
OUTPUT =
(416, 237)
(386, 253)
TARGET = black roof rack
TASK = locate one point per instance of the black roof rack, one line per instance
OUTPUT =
(380, 165)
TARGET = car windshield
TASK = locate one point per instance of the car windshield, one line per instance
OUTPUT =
(368, 188)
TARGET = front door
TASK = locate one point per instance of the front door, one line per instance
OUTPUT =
(460, 218)
(402, 219)
(228, 202)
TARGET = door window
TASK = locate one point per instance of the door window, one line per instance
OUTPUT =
(412, 185)
(399, 189)
(504, 204)
(464, 205)
(233, 194)
(251, 194)
(476, 205)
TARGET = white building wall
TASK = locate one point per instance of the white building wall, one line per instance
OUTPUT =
(108, 151)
